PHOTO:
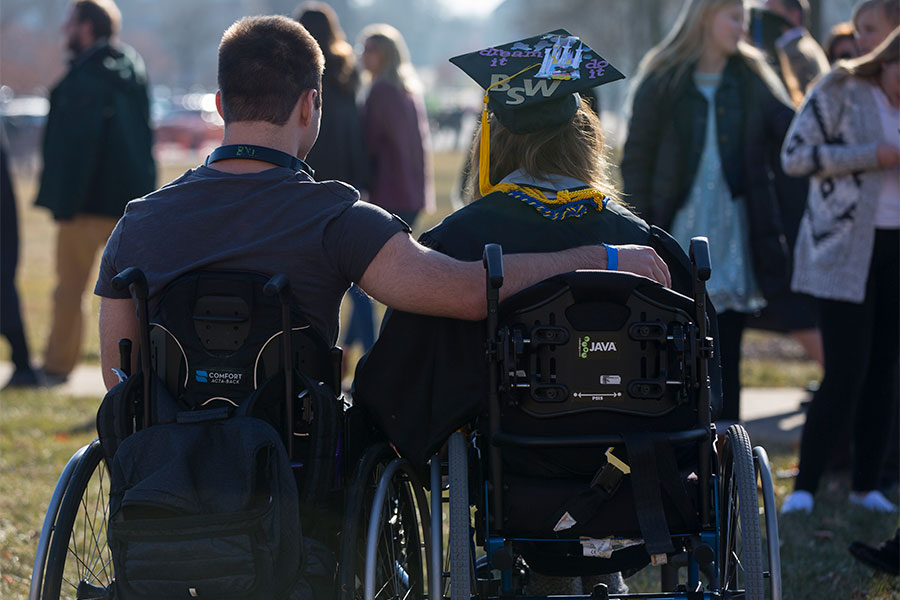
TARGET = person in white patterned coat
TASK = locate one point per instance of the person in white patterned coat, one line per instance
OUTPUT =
(847, 257)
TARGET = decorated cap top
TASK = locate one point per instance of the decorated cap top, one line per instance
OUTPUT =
(533, 83)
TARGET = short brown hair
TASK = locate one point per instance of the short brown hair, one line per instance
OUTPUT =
(265, 63)
(575, 149)
(103, 15)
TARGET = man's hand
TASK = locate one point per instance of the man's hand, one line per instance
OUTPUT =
(643, 260)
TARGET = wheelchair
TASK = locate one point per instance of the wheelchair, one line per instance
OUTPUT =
(216, 340)
(596, 452)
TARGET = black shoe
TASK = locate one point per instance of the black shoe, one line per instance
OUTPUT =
(23, 378)
(885, 558)
(51, 379)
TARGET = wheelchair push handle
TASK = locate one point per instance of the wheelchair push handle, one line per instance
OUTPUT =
(492, 259)
(699, 252)
(132, 276)
(280, 285)
(125, 357)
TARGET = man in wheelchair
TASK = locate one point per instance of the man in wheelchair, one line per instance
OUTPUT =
(427, 376)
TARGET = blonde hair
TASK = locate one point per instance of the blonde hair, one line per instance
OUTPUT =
(575, 149)
(390, 43)
(868, 66)
(682, 47)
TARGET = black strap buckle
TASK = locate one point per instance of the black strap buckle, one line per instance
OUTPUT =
(610, 475)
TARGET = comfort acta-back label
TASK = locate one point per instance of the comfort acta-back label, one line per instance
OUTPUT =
(219, 376)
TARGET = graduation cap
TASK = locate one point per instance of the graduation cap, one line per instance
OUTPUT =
(533, 84)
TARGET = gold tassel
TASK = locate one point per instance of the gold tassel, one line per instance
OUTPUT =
(484, 148)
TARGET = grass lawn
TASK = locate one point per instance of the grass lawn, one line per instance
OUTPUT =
(40, 429)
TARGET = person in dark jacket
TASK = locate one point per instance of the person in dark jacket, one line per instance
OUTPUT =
(11, 325)
(426, 376)
(339, 153)
(708, 118)
(97, 157)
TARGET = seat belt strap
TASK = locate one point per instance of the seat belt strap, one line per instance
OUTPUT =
(645, 482)
(672, 482)
(582, 507)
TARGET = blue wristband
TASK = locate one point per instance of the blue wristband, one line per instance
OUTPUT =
(612, 257)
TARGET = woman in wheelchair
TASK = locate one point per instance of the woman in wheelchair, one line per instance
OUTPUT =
(544, 147)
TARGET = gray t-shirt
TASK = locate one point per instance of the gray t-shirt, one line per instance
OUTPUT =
(276, 221)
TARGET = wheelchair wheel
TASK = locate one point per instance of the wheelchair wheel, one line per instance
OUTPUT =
(771, 520)
(397, 565)
(459, 537)
(740, 546)
(79, 563)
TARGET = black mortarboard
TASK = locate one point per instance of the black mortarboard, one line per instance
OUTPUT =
(533, 84)
(536, 79)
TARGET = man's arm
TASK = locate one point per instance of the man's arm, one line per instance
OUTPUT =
(117, 321)
(408, 276)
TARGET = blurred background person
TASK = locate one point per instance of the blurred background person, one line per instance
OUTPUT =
(339, 152)
(395, 127)
(873, 21)
(97, 156)
(708, 116)
(841, 43)
(779, 31)
(11, 325)
(800, 57)
(848, 257)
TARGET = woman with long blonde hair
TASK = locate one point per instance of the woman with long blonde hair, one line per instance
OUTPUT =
(708, 116)
(847, 257)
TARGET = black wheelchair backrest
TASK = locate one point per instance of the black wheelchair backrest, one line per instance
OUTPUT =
(593, 341)
(215, 337)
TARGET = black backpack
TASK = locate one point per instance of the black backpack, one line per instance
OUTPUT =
(204, 507)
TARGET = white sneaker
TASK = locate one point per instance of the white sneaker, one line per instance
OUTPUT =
(796, 501)
(872, 500)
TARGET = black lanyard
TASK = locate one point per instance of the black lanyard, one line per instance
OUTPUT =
(260, 153)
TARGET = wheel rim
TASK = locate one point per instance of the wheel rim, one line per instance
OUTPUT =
(732, 568)
(740, 547)
(86, 570)
(89, 564)
(399, 559)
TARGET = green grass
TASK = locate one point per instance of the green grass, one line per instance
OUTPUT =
(815, 562)
(39, 431)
